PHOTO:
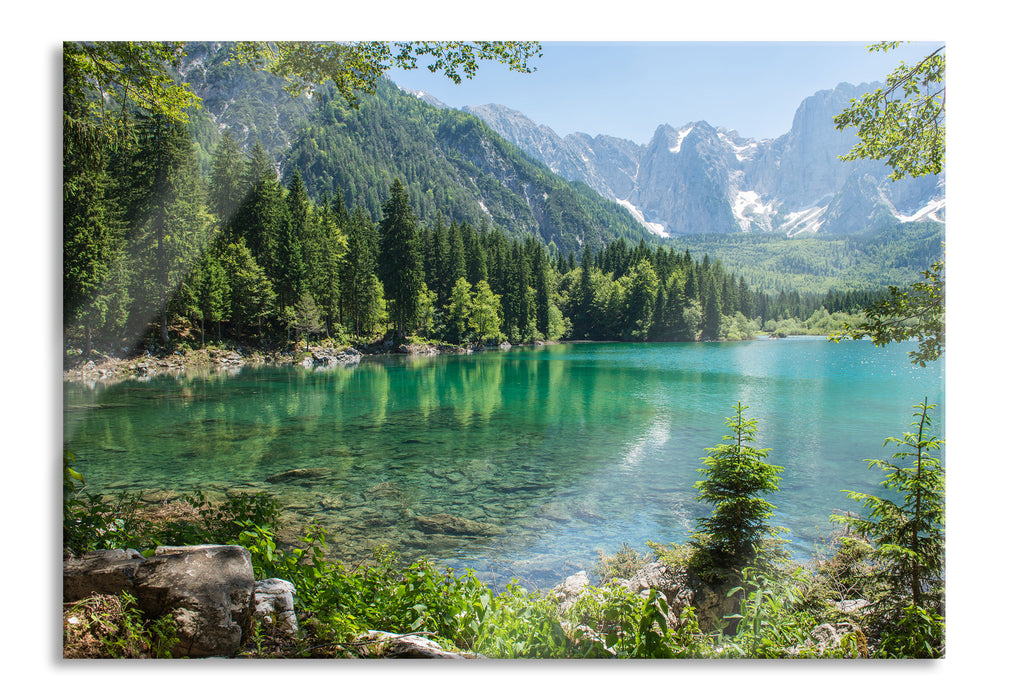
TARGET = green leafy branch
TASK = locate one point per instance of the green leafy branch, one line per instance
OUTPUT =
(903, 123)
(356, 66)
(918, 312)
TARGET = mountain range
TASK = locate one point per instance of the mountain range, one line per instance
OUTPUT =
(697, 178)
(491, 165)
(452, 164)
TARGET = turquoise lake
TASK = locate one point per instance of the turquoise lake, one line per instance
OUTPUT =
(563, 450)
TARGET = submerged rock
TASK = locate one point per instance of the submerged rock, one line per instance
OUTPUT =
(445, 524)
(297, 475)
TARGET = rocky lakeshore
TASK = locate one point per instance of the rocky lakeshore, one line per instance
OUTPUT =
(102, 367)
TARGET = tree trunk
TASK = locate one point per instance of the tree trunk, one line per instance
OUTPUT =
(164, 327)
(87, 341)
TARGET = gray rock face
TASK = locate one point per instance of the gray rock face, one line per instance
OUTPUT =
(207, 589)
(684, 180)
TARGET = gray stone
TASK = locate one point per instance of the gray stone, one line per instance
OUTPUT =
(406, 646)
(848, 606)
(682, 589)
(104, 572)
(207, 589)
(274, 605)
(568, 592)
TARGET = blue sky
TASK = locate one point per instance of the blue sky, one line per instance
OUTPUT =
(627, 89)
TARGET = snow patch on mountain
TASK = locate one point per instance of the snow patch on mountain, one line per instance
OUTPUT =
(720, 182)
(805, 221)
(426, 97)
(743, 149)
(657, 229)
(751, 212)
(934, 210)
(681, 134)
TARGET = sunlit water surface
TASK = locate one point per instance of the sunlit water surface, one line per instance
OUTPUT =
(563, 451)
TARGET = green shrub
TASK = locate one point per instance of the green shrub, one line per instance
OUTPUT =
(770, 619)
(906, 526)
(918, 634)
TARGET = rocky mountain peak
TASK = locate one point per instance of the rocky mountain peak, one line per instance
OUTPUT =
(697, 178)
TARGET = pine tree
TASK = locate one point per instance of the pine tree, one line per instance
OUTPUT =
(358, 281)
(209, 294)
(93, 294)
(225, 190)
(641, 298)
(711, 304)
(291, 270)
(258, 217)
(736, 473)
(307, 317)
(584, 298)
(542, 285)
(251, 291)
(165, 206)
(907, 529)
(400, 262)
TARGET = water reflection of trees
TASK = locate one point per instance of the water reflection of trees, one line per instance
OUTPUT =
(512, 410)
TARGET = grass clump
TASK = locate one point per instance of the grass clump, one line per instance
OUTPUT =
(112, 627)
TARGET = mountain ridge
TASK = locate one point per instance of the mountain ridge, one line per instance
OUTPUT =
(696, 178)
(451, 162)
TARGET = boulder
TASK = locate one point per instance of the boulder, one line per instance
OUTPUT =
(417, 349)
(273, 601)
(105, 572)
(406, 646)
(207, 589)
(570, 590)
(331, 357)
(444, 524)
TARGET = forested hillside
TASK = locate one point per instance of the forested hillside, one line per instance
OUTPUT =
(390, 215)
(814, 265)
(452, 164)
